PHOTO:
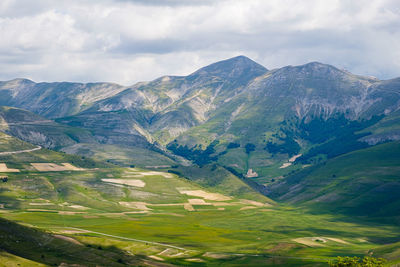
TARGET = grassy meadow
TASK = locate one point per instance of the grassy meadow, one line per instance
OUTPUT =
(101, 214)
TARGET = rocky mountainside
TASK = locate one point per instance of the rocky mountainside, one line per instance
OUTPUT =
(53, 100)
(41, 131)
(167, 107)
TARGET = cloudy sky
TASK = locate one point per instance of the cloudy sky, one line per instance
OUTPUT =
(126, 41)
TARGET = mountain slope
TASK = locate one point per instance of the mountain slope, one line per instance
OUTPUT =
(291, 110)
(53, 100)
(41, 131)
(49, 134)
(363, 182)
(162, 109)
(268, 117)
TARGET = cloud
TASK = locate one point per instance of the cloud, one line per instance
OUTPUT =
(126, 41)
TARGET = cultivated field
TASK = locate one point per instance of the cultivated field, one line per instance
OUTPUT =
(169, 219)
(4, 168)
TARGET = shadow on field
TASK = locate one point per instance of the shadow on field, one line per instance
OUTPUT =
(43, 247)
(8, 201)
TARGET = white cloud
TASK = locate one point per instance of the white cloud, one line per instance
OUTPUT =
(127, 41)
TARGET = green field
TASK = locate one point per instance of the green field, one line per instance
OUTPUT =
(109, 215)
(215, 232)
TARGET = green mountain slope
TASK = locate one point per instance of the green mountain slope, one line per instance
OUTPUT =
(25, 246)
(364, 182)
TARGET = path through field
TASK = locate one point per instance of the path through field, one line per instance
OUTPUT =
(127, 238)
(20, 151)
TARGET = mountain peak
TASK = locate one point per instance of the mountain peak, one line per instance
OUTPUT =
(20, 81)
(232, 67)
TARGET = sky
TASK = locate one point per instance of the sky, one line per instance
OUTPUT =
(127, 41)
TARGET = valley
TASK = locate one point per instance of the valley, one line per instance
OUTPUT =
(165, 218)
(231, 165)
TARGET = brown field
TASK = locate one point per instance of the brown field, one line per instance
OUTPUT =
(3, 168)
(247, 208)
(205, 195)
(188, 207)
(285, 165)
(135, 205)
(130, 182)
(197, 201)
(132, 171)
(254, 203)
(71, 167)
(293, 159)
(41, 204)
(52, 167)
(310, 241)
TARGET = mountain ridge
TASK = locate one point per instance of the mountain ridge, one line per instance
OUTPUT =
(235, 100)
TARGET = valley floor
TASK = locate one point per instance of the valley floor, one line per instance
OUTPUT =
(166, 219)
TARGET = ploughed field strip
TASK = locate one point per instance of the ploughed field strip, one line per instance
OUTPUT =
(168, 218)
(4, 168)
(52, 167)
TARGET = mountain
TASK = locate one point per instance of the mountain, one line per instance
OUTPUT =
(247, 116)
(166, 107)
(41, 131)
(49, 134)
(292, 166)
(53, 100)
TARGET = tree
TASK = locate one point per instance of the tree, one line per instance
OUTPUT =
(250, 147)
(357, 262)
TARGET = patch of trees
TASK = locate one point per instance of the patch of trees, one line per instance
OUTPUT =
(335, 147)
(289, 146)
(195, 154)
(357, 262)
(232, 145)
(319, 130)
(250, 147)
(333, 136)
(336, 136)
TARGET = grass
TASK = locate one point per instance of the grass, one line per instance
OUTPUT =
(363, 182)
(121, 155)
(8, 143)
(26, 246)
(263, 231)
(38, 205)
